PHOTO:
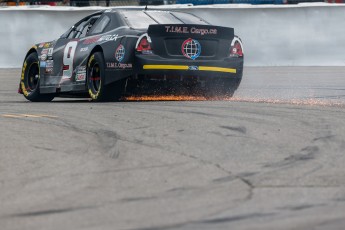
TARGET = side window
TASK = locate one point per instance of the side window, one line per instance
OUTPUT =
(100, 26)
(72, 33)
(76, 31)
(82, 28)
(84, 31)
(88, 25)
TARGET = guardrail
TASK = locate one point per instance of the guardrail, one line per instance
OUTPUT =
(286, 35)
(150, 2)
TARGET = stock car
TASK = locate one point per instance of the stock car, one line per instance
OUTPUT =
(114, 52)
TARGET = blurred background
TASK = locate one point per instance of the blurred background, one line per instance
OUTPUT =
(83, 3)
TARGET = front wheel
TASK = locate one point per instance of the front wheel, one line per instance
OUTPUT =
(97, 89)
(30, 80)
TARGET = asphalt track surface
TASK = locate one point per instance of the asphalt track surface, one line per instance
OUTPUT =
(271, 158)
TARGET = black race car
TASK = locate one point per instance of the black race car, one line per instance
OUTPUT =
(115, 52)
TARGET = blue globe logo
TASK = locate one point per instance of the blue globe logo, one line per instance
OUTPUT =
(120, 53)
(191, 49)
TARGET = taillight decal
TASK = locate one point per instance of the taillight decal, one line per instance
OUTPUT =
(236, 47)
(144, 44)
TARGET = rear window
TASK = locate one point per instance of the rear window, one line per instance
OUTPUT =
(164, 17)
(142, 19)
(189, 18)
(137, 19)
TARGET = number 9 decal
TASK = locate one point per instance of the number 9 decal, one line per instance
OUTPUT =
(68, 57)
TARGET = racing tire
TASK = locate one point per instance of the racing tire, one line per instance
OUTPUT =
(98, 91)
(221, 88)
(30, 80)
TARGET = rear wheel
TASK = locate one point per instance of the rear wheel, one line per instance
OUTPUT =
(221, 88)
(30, 80)
(97, 89)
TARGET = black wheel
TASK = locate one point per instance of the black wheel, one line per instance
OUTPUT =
(97, 89)
(30, 80)
(221, 88)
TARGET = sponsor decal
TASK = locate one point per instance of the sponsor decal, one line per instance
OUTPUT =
(115, 65)
(44, 51)
(49, 70)
(41, 45)
(81, 73)
(43, 64)
(91, 40)
(193, 67)
(109, 37)
(50, 51)
(192, 30)
(43, 57)
(49, 63)
(120, 53)
(80, 76)
(202, 32)
(191, 48)
(84, 49)
(177, 29)
(47, 45)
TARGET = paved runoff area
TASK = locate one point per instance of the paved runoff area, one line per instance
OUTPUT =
(270, 158)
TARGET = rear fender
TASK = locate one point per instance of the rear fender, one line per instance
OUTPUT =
(119, 59)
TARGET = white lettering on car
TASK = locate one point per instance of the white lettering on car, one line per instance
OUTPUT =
(68, 57)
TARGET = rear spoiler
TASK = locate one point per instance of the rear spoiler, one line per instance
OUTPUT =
(190, 30)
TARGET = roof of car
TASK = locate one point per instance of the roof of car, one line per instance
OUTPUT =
(161, 16)
(122, 9)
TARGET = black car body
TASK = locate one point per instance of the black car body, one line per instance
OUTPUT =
(115, 51)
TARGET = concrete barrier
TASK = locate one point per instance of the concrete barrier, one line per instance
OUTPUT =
(299, 35)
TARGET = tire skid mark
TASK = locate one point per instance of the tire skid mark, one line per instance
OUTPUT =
(301, 207)
(232, 135)
(34, 179)
(240, 129)
(48, 212)
(250, 186)
(236, 218)
(324, 138)
(185, 225)
(306, 154)
(28, 115)
(108, 140)
(136, 199)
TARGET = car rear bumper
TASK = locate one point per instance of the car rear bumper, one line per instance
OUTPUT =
(156, 65)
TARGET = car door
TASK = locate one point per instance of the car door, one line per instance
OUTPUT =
(66, 48)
